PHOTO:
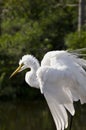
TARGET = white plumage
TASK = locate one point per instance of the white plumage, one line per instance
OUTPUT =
(62, 80)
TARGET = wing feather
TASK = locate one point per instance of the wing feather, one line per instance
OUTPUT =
(58, 112)
(70, 108)
(62, 80)
(75, 73)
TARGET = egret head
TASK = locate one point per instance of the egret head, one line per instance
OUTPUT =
(27, 61)
(24, 63)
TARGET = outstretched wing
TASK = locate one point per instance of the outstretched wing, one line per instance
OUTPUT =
(75, 72)
(61, 86)
(58, 112)
(62, 80)
(58, 95)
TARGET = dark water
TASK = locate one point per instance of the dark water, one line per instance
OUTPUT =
(35, 115)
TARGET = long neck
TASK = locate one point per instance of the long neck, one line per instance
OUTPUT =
(31, 77)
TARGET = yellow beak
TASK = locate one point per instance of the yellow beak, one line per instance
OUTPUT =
(16, 71)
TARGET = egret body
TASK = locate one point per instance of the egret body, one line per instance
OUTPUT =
(61, 78)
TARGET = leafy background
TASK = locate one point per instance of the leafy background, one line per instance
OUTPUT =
(34, 27)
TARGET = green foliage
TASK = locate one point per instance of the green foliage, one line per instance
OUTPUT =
(76, 40)
(1, 79)
(32, 27)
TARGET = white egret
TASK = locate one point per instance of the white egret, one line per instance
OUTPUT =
(61, 78)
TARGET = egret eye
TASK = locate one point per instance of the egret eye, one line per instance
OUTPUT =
(17, 70)
(22, 64)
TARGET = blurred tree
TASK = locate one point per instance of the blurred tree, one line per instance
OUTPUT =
(76, 41)
(34, 27)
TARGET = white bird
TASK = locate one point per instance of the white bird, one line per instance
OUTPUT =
(61, 78)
